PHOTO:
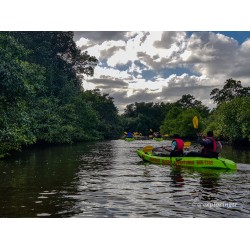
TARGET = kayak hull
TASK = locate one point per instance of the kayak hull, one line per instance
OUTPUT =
(196, 162)
(129, 139)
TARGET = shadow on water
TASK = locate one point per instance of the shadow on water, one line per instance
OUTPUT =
(176, 177)
(35, 181)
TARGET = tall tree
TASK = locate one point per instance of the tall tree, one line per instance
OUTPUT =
(41, 97)
(59, 55)
(230, 90)
(189, 102)
(178, 121)
(142, 117)
(107, 113)
(232, 119)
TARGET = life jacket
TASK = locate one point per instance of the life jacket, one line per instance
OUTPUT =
(180, 144)
(212, 148)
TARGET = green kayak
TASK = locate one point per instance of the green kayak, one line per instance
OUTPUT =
(197, 162)
(158, 139)
(129, 139)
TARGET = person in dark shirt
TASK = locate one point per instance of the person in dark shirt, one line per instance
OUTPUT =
(209, 146)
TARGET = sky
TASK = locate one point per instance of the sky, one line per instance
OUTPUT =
(161, 66)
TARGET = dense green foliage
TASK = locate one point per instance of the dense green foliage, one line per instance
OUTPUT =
(179, 118)
(168, 118)
(233, 119)
(20, 80)
(230, 120)
(143, 116)
(41, 97)
(179, 122)
(107, 113)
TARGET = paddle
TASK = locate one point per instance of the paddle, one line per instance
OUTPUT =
(195, 122)
(187, 144)
(147, 149)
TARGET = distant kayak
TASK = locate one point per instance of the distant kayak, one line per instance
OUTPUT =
(129, 139)
(158, 139)
(197, 162)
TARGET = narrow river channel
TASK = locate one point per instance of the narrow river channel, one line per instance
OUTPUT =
(108, 179)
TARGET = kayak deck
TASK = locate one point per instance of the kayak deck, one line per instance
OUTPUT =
(197, 162)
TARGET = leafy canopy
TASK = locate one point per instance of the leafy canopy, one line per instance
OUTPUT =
(230, 90)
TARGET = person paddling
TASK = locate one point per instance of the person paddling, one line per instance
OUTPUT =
(130, 135)
(211, 147)
(177, 146)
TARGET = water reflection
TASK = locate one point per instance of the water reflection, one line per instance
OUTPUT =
(238, 155)
(176, 176)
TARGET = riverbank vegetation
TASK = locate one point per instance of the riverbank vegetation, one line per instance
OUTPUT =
(230, 120)
(41, 96)
(42, 99)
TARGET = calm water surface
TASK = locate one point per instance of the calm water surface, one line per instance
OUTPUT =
(108, 179)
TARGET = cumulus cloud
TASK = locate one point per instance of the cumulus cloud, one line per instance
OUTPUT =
(162, 66)
(242, 62)
(100, 36)
(211, 54)
(168, 39)
(107, 53)
(109, 83)
(184, 81)
(107, 72)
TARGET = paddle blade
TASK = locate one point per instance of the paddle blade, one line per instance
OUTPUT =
(147, 149)
(195, 122)
(187, 144)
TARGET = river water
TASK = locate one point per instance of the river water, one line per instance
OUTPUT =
(108, 179)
